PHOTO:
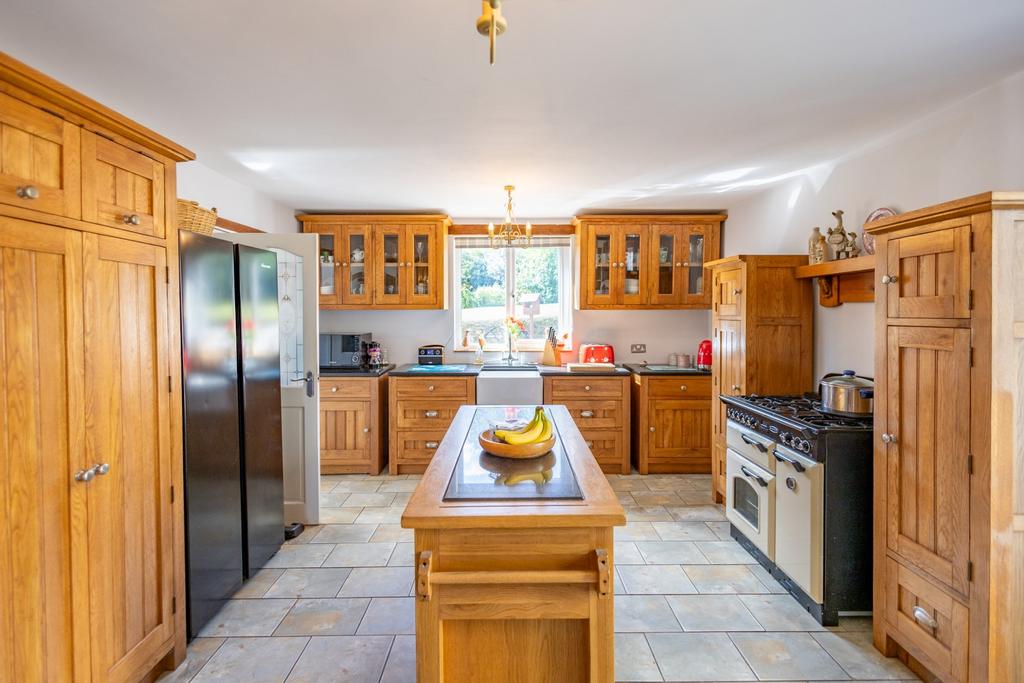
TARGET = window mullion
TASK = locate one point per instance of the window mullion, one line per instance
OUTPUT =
(510, 282)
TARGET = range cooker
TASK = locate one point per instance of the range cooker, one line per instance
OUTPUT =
(799, 498)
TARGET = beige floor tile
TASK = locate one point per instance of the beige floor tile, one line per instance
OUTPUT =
(260, 660)
(712, 613)
(787, 656)
(198, 653)
(392, 533)
(308, 555)
(401, 666)
(721, 529)
(725, 552)
(643, 613)
(684, 531)
(334, 499)
(344, 533)
(767, 579)
(668, 484)
(377, 582)
(357, 486)
(699, 657)
(626, 552)
(401, 486)
(625, 498)
(323, 617)
(386, 616)
(368, 500)
(634, 660)
(636, 531)
(257, 586)
(780, 613)
(670, 552)
(359, 555)
(697, 497)
(619, 484)
(663, 579)
(308, 532)
(378, 515)
(698, 513)
(342, 659)
(723, 578)
(401, 499)
(318, 582)
(855, 652)
(404, 555)
(338, 515)
(664, 498)
(247, 618)
(650, 513)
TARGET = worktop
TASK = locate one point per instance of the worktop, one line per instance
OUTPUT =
(446, 370)
(664, 370)
(562, 371)
(514, 590)
(375, 371)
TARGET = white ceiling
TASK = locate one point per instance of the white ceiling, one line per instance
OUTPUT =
(629, 104)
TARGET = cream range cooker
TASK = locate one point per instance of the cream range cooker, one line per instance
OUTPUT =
(799, 498)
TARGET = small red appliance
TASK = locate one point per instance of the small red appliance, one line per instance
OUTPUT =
(704, 355)
(597, 353)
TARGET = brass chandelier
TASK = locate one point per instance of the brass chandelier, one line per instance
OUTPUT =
(491, 23)
(509, 233)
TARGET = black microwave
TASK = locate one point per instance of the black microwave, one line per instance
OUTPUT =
(344, 350)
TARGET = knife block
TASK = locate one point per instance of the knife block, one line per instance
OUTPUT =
(551, 355)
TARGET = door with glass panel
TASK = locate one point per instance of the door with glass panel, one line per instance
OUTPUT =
(356, 272)
(666, 265)
(631, 273)
(328, 264)
(600, 263)
(421, 250)
(389, 265)
(697, 242)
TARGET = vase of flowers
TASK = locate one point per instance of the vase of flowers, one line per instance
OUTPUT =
(514, 327)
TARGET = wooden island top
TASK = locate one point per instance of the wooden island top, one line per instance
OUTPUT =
(514, 590)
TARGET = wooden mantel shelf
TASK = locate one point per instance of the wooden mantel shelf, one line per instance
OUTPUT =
(843, 281)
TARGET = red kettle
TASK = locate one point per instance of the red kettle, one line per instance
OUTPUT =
(704, 355)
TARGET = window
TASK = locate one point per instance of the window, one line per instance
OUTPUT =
(532, 284)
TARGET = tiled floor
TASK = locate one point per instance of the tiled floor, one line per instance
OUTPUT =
(691, 605)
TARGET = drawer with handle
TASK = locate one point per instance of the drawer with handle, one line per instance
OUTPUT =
(586, 387)
(344, 389)
(605, 445)
(595, 414)
(934, 625)
(422, 387)
(426, 414)
(418, 447)
(679, 387)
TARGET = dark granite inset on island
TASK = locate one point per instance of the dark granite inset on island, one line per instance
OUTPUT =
(561, 371)
(666, 370)
(446, 370)
(363, 371)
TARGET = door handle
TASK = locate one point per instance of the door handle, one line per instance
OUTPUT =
(750, 475)
(308, 379)
(795, 463)
(755, 443)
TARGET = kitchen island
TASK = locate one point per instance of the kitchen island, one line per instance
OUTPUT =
(513, 559)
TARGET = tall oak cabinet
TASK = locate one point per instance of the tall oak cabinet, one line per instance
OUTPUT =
(762, 320)
(949, 463)
(91, 573)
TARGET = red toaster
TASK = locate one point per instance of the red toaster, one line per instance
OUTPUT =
(597, 353)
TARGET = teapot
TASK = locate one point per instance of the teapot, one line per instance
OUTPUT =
(358, 255)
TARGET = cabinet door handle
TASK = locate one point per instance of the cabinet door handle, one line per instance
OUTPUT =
(682, 387)
(587, 413)
(586, 388)
(888, 438)
(430, 413)
(889, 279)
(84, 476)
(735, 387)
(651, 428)
(922, 616)
(678, 264)
(334, 389)
(131, 219)
(430, 388)
(431, 444)
(27, 192)
(366, 430)
(101, 468)
(737, 292)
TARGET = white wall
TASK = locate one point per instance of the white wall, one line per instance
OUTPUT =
(233, 200)
(973, 146)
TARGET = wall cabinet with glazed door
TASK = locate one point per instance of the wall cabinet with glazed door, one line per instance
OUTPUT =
(353, 424)
(762, 320)
(652, 261)
(948, 468)
(672, 423)
(380, 261)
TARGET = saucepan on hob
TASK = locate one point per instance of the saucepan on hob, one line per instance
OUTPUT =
(847, 394)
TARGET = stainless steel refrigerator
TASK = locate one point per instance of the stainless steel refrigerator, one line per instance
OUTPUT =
(234, 492)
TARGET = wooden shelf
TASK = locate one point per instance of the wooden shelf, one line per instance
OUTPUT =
(860, 264)
(844, 281)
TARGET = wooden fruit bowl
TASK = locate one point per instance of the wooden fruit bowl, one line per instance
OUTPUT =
(492, 445)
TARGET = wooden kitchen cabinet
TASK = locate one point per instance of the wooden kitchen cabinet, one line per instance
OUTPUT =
(380, 261)
(646, 261)
(672, 423)
(90, 395)
(420, 410)
(353, 420)
(762, 320)
(600, 407)
(948, 468)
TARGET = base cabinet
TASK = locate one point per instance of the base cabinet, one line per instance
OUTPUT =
(600, 407)
(353, 434)
(420, 410)
(672, 424)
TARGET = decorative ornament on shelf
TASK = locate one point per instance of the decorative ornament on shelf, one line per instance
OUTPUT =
(510, 233)
(876, 215)
(837, 236)
(817, 247)
(851, 249)
(492, 24)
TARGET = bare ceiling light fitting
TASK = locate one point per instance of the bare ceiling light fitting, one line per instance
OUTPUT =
(491, 23)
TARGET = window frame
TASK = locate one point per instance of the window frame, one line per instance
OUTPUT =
(566, 283)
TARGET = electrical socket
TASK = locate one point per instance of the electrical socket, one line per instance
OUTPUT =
(638, 348)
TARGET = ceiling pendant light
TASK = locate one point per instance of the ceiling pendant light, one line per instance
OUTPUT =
(491, 23)
(509, 233)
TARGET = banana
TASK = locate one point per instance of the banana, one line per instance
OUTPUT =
(547, 429)
(513, 435)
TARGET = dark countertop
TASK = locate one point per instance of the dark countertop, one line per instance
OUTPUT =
(558, 371)
(449, 370)
(665, 370)
(357, 372)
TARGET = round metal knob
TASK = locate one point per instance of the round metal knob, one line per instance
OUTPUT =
(27, 192)
(132, 219)
(888, 438)
(651, 428)
(430, 388)
(889, 279)
(586, 388)
(366, 430)
(678, 264)
(791, 483)
(682, 387)
(737, 292)
(334, 389)
(735, 387)
(344, 265)
(101, 468)
(84, 475)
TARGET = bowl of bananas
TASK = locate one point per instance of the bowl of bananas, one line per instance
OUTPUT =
(532, 440)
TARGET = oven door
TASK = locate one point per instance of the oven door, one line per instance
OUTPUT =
(799, 519)
(750, 501)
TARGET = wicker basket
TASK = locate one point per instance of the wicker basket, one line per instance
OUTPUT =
(195, 218)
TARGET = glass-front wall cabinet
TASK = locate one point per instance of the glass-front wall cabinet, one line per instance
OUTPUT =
(422, 247)
(696, 240)
(632, 268)
(600, 266)
(390, 265)
(356, 265)
(328, 264)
